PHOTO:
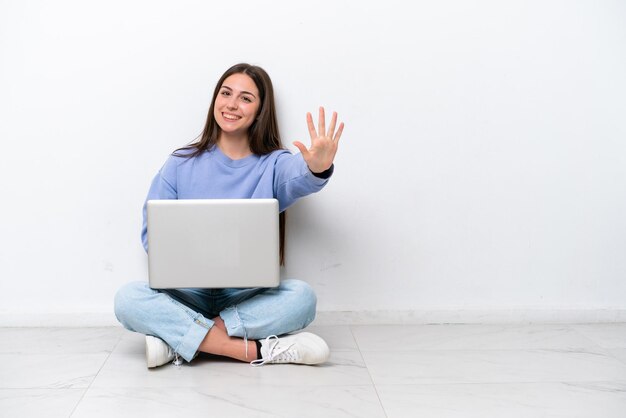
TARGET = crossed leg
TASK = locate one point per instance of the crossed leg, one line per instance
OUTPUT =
(217, 341)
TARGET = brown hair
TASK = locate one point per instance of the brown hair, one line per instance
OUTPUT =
(263, 134)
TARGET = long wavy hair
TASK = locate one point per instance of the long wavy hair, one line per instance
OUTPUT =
(263, 134)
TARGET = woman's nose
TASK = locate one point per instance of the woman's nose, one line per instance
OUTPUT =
(232, 103)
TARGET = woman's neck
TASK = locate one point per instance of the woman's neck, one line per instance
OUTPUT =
(234, 147)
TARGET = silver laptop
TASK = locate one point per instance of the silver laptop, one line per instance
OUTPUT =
(213, 243)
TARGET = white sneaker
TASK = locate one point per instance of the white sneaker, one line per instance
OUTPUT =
(158, 352)
(303, 348)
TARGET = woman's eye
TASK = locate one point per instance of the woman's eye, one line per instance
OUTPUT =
(247, 99)
(225, 93)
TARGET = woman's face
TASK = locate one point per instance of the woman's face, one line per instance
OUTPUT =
(236, 104)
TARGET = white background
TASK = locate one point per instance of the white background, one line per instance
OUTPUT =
(482, 168)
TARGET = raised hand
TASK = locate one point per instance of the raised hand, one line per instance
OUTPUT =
(324, 143)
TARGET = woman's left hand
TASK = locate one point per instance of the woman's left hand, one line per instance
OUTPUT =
(324, 143)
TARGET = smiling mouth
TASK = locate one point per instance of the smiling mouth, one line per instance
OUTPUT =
(228, 116)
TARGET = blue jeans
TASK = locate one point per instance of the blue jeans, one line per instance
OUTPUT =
(182, 317)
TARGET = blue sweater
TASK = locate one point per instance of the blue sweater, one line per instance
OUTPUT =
(212, 175)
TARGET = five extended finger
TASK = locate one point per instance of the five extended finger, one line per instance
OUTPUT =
(309, 122)
(321, 123)
(338, 134)
(333, 123)
(302, 148)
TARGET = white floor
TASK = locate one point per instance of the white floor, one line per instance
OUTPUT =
(375, 371)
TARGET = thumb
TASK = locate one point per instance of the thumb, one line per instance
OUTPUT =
(302, 148)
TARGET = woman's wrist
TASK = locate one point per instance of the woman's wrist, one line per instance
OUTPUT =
(324, 174)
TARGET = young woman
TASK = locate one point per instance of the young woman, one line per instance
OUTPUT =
(238, 155)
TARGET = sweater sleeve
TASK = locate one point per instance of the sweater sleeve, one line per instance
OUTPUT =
(163, 186)
(293, 179)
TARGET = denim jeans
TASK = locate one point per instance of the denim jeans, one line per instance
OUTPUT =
(182, 317)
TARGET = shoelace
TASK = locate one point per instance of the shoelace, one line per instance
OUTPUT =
(177, 360)
(276, 354)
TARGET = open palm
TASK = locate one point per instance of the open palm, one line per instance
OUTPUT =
(319, 157)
